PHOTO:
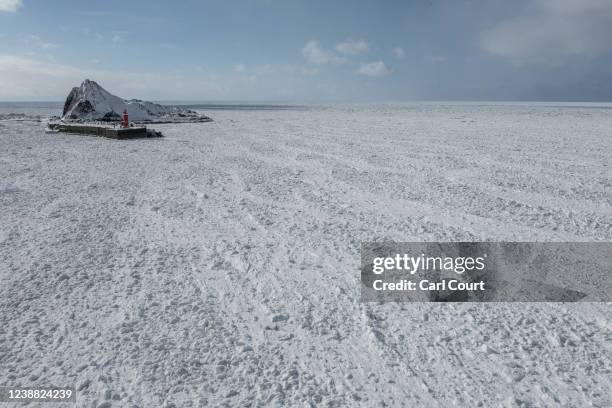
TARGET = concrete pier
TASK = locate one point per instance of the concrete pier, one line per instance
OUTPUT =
(104, 131)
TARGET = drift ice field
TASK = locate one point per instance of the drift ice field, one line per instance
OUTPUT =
(219, 265)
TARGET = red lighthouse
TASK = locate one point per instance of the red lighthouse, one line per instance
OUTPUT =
(125, 122)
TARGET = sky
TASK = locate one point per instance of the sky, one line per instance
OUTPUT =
(309, 50)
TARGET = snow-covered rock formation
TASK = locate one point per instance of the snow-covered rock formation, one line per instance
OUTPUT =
(92, 102)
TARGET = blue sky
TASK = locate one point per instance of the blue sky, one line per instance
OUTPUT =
(308, 51)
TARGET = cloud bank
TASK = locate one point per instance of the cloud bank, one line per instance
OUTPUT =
(35, 78)
(552, 30)
(30, 78)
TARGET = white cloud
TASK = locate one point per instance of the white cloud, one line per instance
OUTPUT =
(10, 6)
(374, 69)
(353, 47)
(315, 54)
(30, 78)
(552, 31)
(36, 41)
(267, 69)
(273, 71)
(283, 69)
(118, 37)
(399, 52)
(436, 59)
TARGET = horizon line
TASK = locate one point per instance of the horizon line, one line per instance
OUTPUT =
(337, 102)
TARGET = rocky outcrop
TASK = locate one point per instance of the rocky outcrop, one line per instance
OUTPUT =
(92, 102)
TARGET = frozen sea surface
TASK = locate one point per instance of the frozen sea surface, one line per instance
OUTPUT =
(220, 264)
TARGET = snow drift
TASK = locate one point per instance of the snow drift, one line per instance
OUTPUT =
(92, 102)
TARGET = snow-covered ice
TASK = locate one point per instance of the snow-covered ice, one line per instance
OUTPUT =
(220, 264)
